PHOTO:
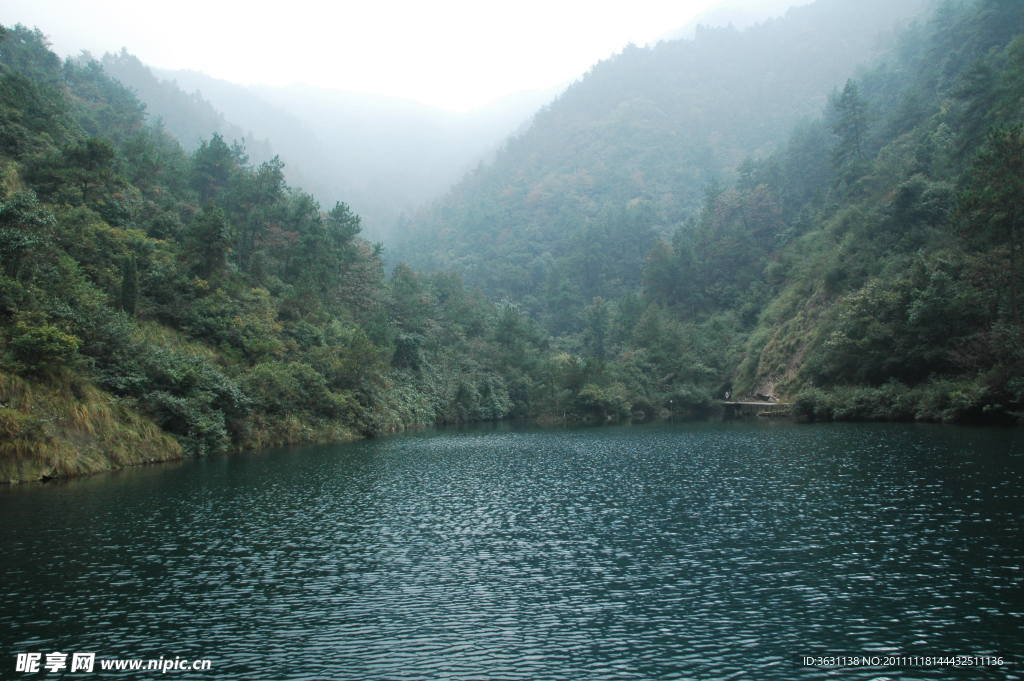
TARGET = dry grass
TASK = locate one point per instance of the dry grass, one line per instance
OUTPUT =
(65, 426)
(291, 429)
(158, 335)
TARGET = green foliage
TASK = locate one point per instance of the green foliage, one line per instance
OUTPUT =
(213, 166)
(993, 202)
(689, 401)
(31, 108)
(938, 400)
(603, 403)
(408, 353)
(284, 387)
(914, 273)
(568, 209)
(39, 347)
(850, 126)
(25, 233)
(208, 243)
(216, 302)
(129, 294)
(870, 266)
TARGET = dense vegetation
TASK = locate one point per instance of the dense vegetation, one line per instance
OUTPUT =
(156, 302)
(145, 290)
(385, 155)
(568, 209)
(870, 266)
(894, 291)
(189, 118)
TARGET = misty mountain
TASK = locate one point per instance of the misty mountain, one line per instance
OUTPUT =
(739, 14)
(190, 118)
(384, 155)
(628, 150)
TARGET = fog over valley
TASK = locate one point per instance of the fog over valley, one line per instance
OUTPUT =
(386, 154)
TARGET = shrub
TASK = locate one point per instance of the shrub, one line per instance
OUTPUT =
(812, 404)
(39, 346)
(605, 403)
(687, 400)
(283, 388)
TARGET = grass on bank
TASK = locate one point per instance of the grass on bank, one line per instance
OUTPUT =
(64, 426)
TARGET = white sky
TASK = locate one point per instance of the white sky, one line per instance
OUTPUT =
(453, 54)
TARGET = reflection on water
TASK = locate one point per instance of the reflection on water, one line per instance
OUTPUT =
(654, 552)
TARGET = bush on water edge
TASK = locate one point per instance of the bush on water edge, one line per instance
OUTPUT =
(940, 400)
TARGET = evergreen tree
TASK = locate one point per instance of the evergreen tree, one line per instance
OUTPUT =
(994, 203)
(129, 294)
(210, 243)
(850, 126)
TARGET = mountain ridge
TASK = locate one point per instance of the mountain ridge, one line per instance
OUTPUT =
(651, 126)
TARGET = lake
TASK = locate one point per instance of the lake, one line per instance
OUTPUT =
(707, 550)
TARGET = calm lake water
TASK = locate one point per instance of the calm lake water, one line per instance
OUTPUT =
(705, 551)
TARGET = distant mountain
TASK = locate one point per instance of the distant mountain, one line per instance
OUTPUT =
(384, 155)
(739, 14)
(192, 108)
(396, 154)
(627, 152)
(188, 117)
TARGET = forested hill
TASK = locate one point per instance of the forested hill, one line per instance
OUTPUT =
(870, 267)
(386, 155)
(626, 152)
(888, 283)
(189, 118)
(157, 303)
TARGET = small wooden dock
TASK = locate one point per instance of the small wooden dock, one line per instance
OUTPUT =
(744, 408)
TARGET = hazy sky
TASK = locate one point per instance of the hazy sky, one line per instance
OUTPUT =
(454, 54)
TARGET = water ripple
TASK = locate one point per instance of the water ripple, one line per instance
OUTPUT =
(664, 552)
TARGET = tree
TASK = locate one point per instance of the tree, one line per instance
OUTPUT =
(596, 318)
(30, 113)
(408, 351)
(256, 201)
(342, 225)
(213, 165)
(209, 243)
(409, 303)
(129, 295)
(26, 232)
(850, 125)
(39, 346)
(93, 163)
(993, 202)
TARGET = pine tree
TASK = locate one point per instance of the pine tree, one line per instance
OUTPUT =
(129, 297)
(850, 126)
